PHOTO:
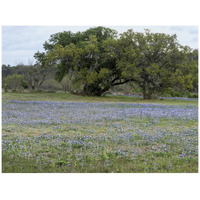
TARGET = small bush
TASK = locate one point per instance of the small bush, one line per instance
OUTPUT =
(51, 85)
(190, 95)
(170, 92)
(14, 82)
(24, 84)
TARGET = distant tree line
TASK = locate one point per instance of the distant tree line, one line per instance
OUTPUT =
(96, 60)
(30, 77)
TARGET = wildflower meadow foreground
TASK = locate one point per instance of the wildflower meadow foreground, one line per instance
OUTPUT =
(45, 136)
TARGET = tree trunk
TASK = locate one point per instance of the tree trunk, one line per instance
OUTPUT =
(144, 92)
(33, 87)
(94, 90)
(147, 95)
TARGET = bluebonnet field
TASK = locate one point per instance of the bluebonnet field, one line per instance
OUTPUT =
(45, 136)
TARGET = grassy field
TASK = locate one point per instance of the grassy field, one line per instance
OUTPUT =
(57, 132)
(62, 97)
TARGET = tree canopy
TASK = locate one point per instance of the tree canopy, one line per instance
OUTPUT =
(99, 59)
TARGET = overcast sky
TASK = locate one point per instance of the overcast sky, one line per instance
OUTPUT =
(19, 43)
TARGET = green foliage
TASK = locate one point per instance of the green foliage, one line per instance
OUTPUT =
(97, 60)
(185, 77)
(67, 84)
(24, 84)
(51, 84)
(40, 57)
(153, 57)
(170, 92)
(5, 88)
(34, 75)
(84, 62)
(191, 95)
(14, 82)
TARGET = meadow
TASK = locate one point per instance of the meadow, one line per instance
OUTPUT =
(52, 132)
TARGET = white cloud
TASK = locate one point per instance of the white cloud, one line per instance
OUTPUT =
(21, 42)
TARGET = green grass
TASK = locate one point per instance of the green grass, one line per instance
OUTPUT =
(49, 96)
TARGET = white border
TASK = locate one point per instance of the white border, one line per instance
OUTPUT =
(99, 186)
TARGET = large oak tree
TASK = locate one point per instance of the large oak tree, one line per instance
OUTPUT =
(98, 59)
